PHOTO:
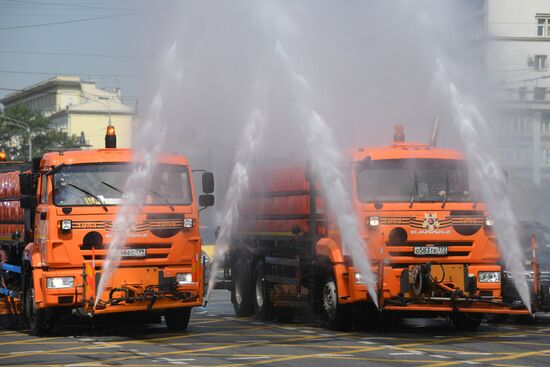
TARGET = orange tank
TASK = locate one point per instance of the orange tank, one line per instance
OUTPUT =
(11, 214)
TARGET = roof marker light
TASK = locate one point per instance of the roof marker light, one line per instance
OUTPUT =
(110, 137)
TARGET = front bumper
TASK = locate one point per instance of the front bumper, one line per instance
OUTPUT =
(459, 291)
(128, 290)
(541, 301)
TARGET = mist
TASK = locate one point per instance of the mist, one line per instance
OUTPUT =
(369, 65)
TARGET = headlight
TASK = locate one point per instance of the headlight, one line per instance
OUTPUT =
(489, 276)
(374, 221)
(489, 222)
(188, 222)
(359, 278)
(66, 225)
(61, 282)
(184, 278)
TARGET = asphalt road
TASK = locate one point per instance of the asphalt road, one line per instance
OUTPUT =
(216, 338)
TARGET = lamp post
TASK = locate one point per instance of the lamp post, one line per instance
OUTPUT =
(23, 125)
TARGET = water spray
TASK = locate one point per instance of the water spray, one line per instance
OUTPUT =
(473, 129)
(145, 163)
(327, 163)
(238, 187)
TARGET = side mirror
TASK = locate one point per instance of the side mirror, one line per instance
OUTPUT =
(364, 164)
(28, 202)
(26, 183)
(206, 200)
(208, 182)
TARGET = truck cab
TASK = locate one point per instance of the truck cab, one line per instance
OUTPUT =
(72, 201)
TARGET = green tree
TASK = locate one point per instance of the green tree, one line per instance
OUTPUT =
(45, 137)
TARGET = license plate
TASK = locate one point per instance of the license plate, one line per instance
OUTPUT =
(430, 250)
(133, 252)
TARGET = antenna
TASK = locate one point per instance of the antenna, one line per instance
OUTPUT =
(435, 133)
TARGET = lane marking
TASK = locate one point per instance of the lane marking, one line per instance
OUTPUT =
(34, 341)
(244, 358)
(491, 359)
(126, 342)
(513, 336)
(220, 347)
(27, 351)
(412, 352)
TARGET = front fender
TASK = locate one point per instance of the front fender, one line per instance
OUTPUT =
(327, 247)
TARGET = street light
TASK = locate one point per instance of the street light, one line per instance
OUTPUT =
(23, 125)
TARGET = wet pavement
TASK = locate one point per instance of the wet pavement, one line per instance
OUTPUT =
(216, 338)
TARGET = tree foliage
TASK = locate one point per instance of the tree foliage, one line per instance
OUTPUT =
(45, 137)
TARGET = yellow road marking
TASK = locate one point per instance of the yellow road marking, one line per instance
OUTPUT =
(122, 342)
(295, 357)
(525, 343)
(34, 341)
(219, 347)
(490, 359)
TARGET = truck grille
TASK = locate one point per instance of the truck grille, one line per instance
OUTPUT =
(154, 251)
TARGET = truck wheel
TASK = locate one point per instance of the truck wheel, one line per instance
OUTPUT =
(177, 319)
(36, 317)
(241, 295)
(466, 321)
(337, 316)
(262, 304)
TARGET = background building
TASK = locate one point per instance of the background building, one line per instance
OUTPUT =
(78, 107)
(510, 44)
(514, 47)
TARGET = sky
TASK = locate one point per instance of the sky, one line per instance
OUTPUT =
(98, 40)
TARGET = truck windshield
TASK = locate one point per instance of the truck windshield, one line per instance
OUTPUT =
(415, 180)
(170, 185)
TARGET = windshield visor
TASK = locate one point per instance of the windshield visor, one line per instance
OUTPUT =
(418, 180)
(84, 184)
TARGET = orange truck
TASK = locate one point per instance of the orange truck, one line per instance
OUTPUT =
(56, 225)
(431, 245)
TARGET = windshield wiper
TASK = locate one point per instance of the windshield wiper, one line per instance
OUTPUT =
(413, 191)
(446, 190)
(112, 187)
(57, 168)
(162, 197)
(90, 194)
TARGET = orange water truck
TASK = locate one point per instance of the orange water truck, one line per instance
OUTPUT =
(56, 224)
(431, 244)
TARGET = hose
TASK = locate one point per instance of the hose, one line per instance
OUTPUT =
(430, 272)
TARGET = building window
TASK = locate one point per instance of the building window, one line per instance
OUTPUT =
(543, 27)
(545, 127)
(539, 93)
(522, 92)
(546, 156)
(540, 62)
(521, 156)
(520, 125)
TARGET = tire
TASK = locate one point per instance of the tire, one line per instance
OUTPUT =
(36, 318)
(337, 316)
(177, 319)
(241, 294)
(466, 321)
(263, 309)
